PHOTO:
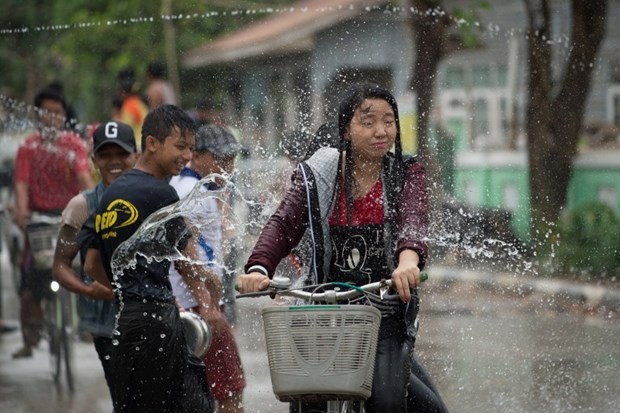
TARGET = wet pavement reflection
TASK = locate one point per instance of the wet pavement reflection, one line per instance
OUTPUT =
(491, 352)
(486, 353)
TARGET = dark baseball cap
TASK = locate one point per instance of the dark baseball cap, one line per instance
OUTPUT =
(114, 132)
(217, 140)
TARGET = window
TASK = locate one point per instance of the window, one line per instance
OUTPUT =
(471, 193)
(614, 71)
(613, 104)
(303, 93)
(481, 76)
(456, 104)
(511, 197)
(607, 196)
(613, 93)
(480, 118)
(505, 117)
(501, 76)
(478, 96)
(454, 78)
(277, 101)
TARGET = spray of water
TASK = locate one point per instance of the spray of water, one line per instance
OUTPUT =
(248, 199)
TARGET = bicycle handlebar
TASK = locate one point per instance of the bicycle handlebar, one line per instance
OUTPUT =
(37, 218)
(282, 286)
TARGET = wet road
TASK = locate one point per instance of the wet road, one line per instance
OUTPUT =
(486, 352)
(491, 353)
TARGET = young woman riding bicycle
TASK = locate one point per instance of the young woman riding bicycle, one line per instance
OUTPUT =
(365, 211)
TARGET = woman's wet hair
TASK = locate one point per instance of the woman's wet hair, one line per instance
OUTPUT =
(326, 136)
(393, 171)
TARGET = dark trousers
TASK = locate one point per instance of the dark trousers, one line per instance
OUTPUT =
(104, 348)
(401, 384)
(153, 368)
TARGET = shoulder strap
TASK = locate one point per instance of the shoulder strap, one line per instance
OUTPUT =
(407, 162)
(315, 231)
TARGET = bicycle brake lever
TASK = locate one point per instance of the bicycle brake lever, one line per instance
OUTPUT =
(383, 291)
(281, 282)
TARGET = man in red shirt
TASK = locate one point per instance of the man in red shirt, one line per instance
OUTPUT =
(51, 167)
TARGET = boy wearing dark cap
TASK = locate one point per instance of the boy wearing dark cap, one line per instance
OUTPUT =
(114, 152)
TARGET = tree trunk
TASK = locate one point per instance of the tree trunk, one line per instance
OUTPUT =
(554, 123)
(430, 34)
(172, 61)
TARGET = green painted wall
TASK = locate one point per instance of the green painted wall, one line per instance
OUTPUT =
(587, 183)
(486, 187)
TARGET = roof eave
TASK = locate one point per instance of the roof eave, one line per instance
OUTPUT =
(263, 49)
(298, 40)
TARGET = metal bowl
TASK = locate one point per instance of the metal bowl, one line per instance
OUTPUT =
(197, 333)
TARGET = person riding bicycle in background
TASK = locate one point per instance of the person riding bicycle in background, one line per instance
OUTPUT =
(114, 152)
(51, 166)
(366, 211)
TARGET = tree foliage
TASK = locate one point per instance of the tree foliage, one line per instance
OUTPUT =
(85, 43)
(589, 242)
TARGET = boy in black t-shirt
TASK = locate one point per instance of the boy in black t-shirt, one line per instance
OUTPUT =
(153, 368)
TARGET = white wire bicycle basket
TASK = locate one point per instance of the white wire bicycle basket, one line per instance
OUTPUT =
(321, 352)
(42, 236)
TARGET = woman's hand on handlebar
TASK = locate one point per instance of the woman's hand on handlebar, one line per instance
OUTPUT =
(252, 282)
(407, 275)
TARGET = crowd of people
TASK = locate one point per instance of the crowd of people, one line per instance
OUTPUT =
(149, 155)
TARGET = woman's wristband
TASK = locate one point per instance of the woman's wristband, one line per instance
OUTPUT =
(258, 268)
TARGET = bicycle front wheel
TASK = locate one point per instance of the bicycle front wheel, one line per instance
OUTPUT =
(66, 333)
(54, 337)
(334, 406)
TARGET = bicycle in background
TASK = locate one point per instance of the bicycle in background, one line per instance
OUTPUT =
(59, 306)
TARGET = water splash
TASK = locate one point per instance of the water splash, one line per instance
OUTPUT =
(485, 29)
(234, 219)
